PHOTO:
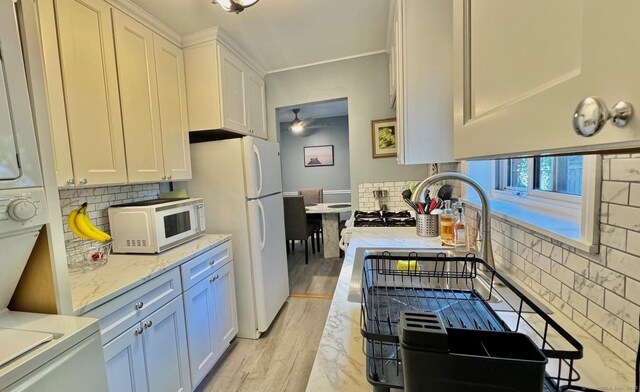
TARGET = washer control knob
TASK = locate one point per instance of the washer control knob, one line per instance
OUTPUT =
(22, 210)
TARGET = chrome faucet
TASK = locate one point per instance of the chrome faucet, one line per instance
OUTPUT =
(486, 250)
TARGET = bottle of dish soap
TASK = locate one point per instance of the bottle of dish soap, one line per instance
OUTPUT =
(460, 238)
(446, 224)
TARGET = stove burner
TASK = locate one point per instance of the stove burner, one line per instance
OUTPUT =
(396, 214)
(406, 222)
(366, 214)
(373, 222)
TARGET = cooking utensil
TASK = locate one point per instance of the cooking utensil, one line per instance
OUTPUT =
(421, 208)
(445, 192)
(437, 211)
(432, 206)
(412, 205)
(406, 194)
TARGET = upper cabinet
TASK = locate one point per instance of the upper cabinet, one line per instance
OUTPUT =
(139, 98)
(117, 96)
(90, 87)
(172, 101)
(421, 62)
(522, 67)
(223, 91)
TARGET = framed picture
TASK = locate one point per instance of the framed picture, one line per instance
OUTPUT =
(383, 138)
(318, 156)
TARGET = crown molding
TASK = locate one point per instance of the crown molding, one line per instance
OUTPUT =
(148, 20)
(207, 36)
(355, 56)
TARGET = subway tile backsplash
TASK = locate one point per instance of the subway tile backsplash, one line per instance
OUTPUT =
(600, 292)
(99, 199)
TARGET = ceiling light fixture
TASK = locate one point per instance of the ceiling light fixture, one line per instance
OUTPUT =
(236, 6)
(296, 126)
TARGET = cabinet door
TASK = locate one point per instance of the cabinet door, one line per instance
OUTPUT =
(139, 99)
(55, 94)
(233, 102)
(424, 84)
(256, 112)
(224, 293)
(173, 109)
(165, 349)
(91, 91)
(521, 68)
(201, 329)
(124, 358)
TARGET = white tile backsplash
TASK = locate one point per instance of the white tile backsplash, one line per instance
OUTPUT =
(601, 292)
(99, 200)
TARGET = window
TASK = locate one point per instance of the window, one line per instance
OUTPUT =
(552, 177)
(555, 196)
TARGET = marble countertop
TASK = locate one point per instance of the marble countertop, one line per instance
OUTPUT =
(325, 208)
(123, 272)
(340, 362)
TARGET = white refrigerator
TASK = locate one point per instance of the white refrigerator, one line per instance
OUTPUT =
(241, 184)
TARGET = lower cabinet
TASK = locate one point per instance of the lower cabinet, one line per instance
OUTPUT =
(211, 318)
(152, 355)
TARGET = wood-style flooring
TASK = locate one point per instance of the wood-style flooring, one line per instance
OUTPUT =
(282, 358)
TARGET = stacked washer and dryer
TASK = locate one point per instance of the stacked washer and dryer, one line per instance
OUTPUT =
(38, 352)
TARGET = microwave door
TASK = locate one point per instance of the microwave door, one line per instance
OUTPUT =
(175, 225)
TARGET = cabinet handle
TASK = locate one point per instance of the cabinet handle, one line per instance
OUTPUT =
(164, 178)
(214, 278)
(211, 261)
(71, 181)
(169, 177)
(139, 305)
(138, 331)
(592, 114)
(83, 181)
(148, 324)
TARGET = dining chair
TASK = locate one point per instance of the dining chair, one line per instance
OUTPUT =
(314, 196)
(296, 225)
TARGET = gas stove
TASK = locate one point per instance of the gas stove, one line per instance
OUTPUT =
(382, 219)
(375, 219)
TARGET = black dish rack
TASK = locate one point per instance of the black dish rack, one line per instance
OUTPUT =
(452, 288)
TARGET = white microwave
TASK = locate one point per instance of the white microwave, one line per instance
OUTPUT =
(154, 226)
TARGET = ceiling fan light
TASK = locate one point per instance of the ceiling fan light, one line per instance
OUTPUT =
(296, 126)
(236, 6)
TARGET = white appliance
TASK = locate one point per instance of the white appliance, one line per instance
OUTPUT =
(154, 226)
(38, 352)
(241, 184)
(19, 162)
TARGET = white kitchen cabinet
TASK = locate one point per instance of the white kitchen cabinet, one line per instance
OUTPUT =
(172, 101)
(135, 59)
(223, 91)
(232, 91)
(522, 67)
(165, 349)
(124, 358)
(224, 294)
(423, 48)
(255, 95)
(151, 355)
(212, 321)
(89, 91)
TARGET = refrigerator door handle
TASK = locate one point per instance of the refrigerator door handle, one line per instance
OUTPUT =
(264, 225)
(257, 152)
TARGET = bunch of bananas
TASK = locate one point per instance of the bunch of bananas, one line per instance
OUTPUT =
(81, 225)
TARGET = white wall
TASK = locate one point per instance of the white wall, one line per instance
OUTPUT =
(365, 82)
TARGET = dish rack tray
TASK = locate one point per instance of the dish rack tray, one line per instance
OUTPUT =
(461, 291)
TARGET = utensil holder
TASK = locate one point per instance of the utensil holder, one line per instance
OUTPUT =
(427, 225)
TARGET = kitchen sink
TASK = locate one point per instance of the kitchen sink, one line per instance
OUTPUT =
(501, 298)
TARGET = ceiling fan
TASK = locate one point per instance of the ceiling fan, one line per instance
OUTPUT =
(298, 126)
(236, 6)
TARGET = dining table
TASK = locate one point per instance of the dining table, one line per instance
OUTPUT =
(330, 224)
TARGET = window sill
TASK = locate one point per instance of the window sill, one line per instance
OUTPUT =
(560, 228)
